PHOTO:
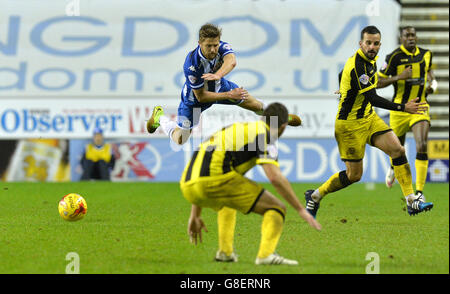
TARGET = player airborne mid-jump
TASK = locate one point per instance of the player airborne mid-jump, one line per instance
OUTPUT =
(204, 70)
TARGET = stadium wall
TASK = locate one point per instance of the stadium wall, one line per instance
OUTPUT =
(108, 49)
(301, 160)
(70, 66)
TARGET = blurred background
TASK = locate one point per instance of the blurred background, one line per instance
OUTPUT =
(68, 67)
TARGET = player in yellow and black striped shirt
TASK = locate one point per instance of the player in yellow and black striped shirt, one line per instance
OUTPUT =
(408, 68)
(357, 125)
(214, 178)
(97, 159)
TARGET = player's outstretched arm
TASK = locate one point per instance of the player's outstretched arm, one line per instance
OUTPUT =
(229, 63)
(404, 75)
(205, 96)
(415, 107)
(284, 188)
(196, 224)
(412, 106)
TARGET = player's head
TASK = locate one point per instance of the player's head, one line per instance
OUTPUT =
(98, 136)
(276, 115)
(209, 40)
(408, 38)
(370, 41)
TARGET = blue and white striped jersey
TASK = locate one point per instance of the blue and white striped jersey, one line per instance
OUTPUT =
(195, 66)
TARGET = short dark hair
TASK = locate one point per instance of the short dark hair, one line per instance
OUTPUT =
(209, 30)
(372, 30)
(276, 110)
(406, 28)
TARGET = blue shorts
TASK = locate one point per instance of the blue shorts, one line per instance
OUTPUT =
(189, 115)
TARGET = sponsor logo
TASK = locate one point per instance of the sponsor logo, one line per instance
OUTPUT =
(192, 79)
(42, 121)
(227, 47)
(364, 79)
(186, 124)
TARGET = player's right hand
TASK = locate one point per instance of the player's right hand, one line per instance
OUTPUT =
(415, 107)
(310, 219)
(238, 94)
(195, 226)
(406, 73)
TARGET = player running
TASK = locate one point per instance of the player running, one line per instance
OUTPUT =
(408, 68)
(214, 178)
(357, 125)
(204, 70)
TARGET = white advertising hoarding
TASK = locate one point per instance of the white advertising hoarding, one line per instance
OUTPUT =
(123, 48)
(126, 118)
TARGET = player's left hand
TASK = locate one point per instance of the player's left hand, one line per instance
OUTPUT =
(415, 107)
(195, 227)
(211, 77)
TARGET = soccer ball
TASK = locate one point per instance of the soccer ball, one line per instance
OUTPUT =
(72, 207)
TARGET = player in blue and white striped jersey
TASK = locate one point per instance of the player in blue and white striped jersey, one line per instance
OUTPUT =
(204, 70)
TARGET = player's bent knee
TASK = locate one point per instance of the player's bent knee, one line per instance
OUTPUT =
(281, 212)
(421, 146)
(277, 206)
(397, 151)
(354, 177)
(266, 202)
(281, 207)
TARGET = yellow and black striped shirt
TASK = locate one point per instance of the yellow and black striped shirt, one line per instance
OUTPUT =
(238, 147)
(395, 64)
(358, 76)
(97, 153)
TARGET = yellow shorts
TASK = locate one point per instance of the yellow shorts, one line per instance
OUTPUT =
(231, 189)
(401, 122)
(353, 135)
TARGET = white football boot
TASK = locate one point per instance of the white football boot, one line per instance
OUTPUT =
(275, 259)
(221, 256)
(420, 197)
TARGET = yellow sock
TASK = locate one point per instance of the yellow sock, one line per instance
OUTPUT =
(402, 173)
(226, 220)
(335, 183)
(272, 226)
(421, 172)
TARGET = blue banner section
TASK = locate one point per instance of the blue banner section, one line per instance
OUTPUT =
(301, 160)
(136, 160)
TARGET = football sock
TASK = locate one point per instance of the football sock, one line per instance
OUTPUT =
(272, 226)
(335, 183)
(421, 170)
(167, 125)
(226, 220)
(316, 196)
(402, 172)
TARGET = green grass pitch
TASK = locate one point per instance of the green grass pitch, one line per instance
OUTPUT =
(141, 228)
